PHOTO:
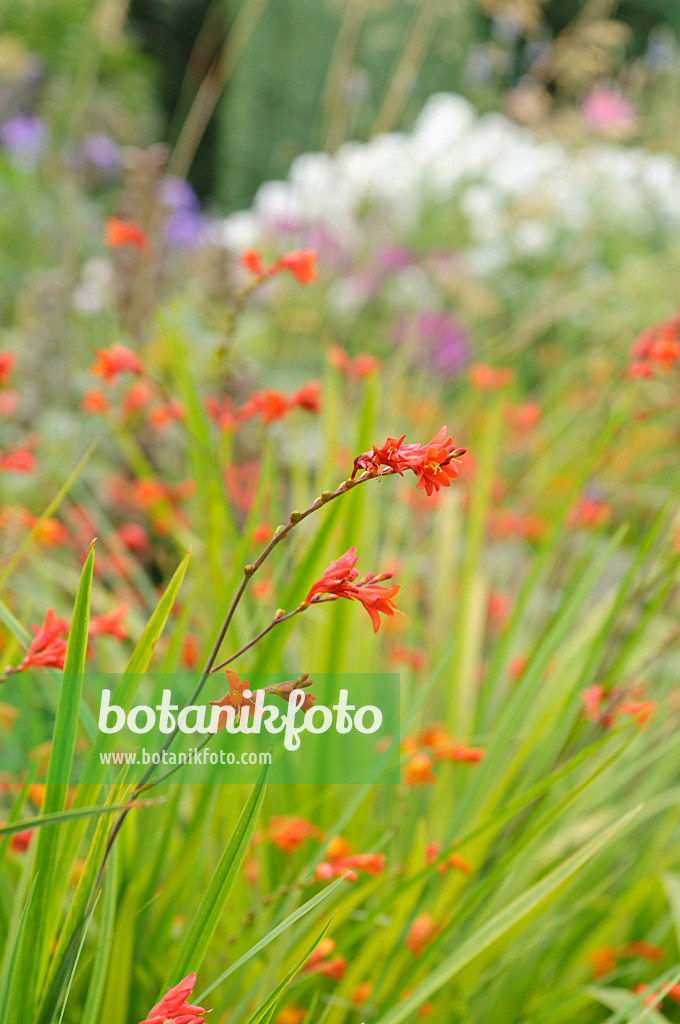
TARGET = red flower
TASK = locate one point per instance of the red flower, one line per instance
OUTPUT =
(308, 397)
(645, 950)
(134, 537)
(434, 464)
(110, 624)
(338, 581)
(137, 396)
(371, 863)
(119, 233)
(6, 367)
(588, 513)
(20, 841)
(173, 1007)
(454, 860)
(301, 264)
(117, 359)
(163, 415)
(47, 648)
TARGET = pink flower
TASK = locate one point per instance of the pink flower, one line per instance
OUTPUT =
(607, 109)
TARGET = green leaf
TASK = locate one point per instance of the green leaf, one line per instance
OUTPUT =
(306, 908)
(198, 935)
(501, 923)
(95, 991)
(45, 908)
(671, 884)
(59, 817)
(272, 999)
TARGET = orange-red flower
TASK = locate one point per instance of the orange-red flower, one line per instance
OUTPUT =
(112, 361)
(460, 752)
(290, 1014)
(110, 624)
(290, 831)
(421, 933)
(434, 464)
(119, 233)
(47, 648)
(644, 949)
(271, 405)
(371, 863)
(173, 1008)
(20, 841)
(301, 264)
(362, 993)
(486, 378)
(338, 581)
(657, 348)
(589, 513)
(17, 460)
(602, 961)
(308, 397)
(94, 401)
(454, 860)
(419, 771)
(361, 366)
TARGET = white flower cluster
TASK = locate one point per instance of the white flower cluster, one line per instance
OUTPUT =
(519, 194)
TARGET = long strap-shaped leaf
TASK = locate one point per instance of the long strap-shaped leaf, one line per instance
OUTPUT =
(501, 923)
(273, 934)
(203, 926)
(38, 935)
(263, 1012)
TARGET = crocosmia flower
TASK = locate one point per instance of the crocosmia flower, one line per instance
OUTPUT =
(338, 581)
(301, 264)
(434, 464)
(120, 233)
(174, 1008)
(112, 361)
(48, 647)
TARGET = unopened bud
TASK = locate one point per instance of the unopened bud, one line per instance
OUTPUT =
(382, 577)
(248, 570)
(295, 517)
(326, 495)
(279, 613)
(458, 452)
(279, 529)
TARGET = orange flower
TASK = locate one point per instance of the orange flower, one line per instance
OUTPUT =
(137, 396)
(486, 378)
(419, 771)
(433, 464)
(588, 513)
(337, 848)
(372, 863)
(94, 401)
(119, 233)
(289, 831)
(362, 993)
(166, 413)
(602, 961)
(461, 752)
(117, 359)
(190, 651)
(361, 366)
(645, 950)
(173, 1007)
(338, 581)
(110, 624)
(523, 417)
(302, 264)
(290, 1014)
(657, 347)
(454, 860)
(421, 933)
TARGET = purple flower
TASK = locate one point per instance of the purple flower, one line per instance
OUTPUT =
(23, 135)
(184, 228)
(177, 194)
(393, 257)
(102, 152)
(438, 340)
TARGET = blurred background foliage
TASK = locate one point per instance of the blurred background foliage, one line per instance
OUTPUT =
(310, 74)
